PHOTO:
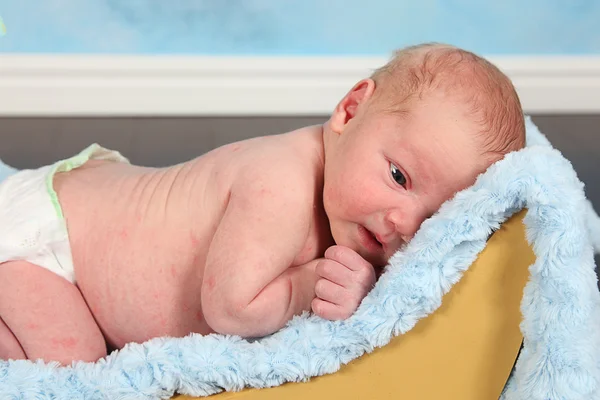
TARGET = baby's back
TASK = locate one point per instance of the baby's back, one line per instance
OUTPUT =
(140, 236)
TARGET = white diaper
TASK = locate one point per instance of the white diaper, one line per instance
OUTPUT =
(32, 226)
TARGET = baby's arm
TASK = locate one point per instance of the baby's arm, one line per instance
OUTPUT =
(248, 286)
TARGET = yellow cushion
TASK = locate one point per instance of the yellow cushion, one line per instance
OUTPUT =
(465, 350)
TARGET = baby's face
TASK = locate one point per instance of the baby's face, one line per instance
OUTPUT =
(385, 174)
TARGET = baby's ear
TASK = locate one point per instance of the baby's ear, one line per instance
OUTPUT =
(347, 108)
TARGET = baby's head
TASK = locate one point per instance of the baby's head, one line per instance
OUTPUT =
(488, 98)
(402, 142)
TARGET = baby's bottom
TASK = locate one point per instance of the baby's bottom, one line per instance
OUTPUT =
(44, 316)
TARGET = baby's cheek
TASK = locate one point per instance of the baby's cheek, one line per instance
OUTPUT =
(331, 198)
(346, 203)
(363, 202)
(360, 199)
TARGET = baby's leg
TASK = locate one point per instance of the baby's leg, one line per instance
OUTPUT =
(10, 348)
(47, 315)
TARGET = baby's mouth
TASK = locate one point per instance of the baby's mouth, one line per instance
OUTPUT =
(374, 250)
(369, 240)
(375, 237)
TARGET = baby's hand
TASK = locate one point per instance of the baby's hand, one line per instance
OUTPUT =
(344, 279)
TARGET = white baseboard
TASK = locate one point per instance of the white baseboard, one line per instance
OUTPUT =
(74, 85)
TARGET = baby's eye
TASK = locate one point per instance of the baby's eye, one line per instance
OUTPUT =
(397, 175)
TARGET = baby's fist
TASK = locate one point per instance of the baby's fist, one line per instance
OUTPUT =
(344, 279)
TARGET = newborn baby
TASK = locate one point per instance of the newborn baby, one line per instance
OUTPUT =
(98, 253)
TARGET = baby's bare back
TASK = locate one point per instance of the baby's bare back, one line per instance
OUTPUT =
(140, 236)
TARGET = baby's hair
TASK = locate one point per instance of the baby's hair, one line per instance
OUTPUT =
(490, 96)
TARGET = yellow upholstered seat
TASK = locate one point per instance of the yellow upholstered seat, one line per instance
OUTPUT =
(465, 350)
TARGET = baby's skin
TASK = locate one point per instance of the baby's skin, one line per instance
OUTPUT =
(240, 239)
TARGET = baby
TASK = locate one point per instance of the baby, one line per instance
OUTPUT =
(238, 241)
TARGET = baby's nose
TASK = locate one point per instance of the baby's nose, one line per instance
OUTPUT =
(406, 224)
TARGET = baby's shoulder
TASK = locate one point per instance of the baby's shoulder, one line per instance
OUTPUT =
(287, 165)
(291, 158)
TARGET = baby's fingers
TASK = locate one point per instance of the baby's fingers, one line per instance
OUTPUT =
(331, 292)
(334, 272)
(347, 257)
(327, 310)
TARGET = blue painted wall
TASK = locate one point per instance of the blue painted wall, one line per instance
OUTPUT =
(299, 27)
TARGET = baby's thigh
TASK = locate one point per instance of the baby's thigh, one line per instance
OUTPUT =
(47, 315)
(10, 348)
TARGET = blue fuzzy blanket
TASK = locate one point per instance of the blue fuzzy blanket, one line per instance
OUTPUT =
(561, 305)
